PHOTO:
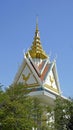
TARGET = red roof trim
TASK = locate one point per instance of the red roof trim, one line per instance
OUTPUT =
(45, 72)
(41, 65)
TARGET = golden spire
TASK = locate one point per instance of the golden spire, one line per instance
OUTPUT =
(36, 50)
(37, 24)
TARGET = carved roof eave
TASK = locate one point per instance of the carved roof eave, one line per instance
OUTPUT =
(56, 73)
(19, 71)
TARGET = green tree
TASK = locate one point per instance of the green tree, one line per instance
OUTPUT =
(63, 114)
(19, 111)
(14, 109)
(70, 123)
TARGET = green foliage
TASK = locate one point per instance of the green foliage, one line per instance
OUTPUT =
(63, 114)
(70, 123)
(19, 111)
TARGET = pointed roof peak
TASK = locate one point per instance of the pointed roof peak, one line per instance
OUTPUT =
(37, 24)
(37, 29)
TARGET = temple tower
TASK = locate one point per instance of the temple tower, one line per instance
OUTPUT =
(38, 73)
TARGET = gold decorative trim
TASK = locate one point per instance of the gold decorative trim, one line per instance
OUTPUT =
(51, 88)
(25, 78)
(31, 85)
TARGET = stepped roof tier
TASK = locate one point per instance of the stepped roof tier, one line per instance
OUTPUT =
(36, 50)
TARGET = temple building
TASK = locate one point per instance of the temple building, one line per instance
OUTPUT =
(38, 73)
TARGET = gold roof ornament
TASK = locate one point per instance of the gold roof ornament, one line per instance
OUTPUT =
(36, 50)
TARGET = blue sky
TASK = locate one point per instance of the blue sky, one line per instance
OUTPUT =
(17, 27)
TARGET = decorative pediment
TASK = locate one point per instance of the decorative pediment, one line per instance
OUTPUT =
(51, 82)
(27, 77)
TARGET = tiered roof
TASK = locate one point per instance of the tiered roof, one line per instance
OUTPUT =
(36, 50)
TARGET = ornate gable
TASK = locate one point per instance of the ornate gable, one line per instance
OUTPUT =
(51, 82)
(27, 74)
